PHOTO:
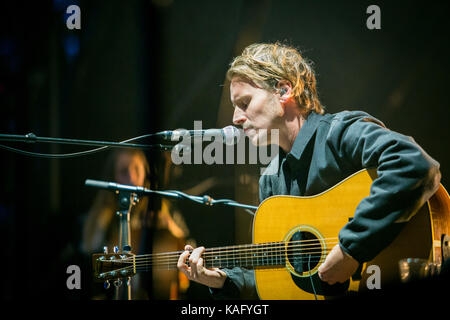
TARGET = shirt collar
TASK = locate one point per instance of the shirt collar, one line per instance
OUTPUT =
(304, 135)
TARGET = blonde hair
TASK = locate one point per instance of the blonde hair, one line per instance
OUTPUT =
(266, 64)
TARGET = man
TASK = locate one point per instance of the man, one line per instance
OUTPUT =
(274, 87)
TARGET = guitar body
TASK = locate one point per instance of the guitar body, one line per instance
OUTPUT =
(320, 218)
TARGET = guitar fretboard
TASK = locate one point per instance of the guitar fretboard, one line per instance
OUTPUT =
(248, 256)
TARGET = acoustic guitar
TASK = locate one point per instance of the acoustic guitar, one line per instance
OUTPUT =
(287, 250)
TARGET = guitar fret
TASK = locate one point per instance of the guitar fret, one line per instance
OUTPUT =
(249, 256)
(265, 257)
(260, 262)
(263, 253)
(257, 256)
(272, 256)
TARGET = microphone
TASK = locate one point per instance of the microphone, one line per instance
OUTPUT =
(230, 134)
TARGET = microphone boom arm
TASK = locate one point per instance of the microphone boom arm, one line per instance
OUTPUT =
(142, 191)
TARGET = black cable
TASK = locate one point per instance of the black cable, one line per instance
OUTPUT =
(82, 153)
(210, 201)
(310, 277)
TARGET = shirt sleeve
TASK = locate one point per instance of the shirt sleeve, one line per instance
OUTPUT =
(407, 177)
(239, 284)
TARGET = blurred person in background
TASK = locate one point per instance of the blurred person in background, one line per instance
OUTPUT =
(150, 232)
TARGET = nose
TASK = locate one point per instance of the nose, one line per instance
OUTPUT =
(239, 116)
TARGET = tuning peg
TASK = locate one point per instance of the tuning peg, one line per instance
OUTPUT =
(105, 250)
(106, 284)
(116, 249)
(117, 283)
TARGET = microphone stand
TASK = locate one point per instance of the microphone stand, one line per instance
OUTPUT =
(126, 201)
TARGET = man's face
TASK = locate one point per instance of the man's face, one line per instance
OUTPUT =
(257, 110)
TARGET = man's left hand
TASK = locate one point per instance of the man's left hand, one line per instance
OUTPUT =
(337, 267)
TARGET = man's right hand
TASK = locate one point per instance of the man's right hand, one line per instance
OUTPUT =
(211, 277)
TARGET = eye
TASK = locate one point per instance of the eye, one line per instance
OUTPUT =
(242, 103)
(245, 104)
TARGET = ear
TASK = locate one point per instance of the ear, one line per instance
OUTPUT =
(284, 89)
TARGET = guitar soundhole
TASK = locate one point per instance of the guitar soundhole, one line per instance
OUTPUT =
(304, 251)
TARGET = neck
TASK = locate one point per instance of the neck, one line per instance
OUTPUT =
(290, 129)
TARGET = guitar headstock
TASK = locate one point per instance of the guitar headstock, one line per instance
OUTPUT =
(113, 266)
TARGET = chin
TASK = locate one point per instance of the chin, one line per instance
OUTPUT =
(260, 139)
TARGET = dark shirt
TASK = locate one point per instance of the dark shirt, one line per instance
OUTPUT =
(330, 148)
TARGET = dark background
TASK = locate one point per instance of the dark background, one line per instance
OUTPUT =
(139, 67)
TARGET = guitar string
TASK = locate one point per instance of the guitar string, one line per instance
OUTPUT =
(272, 251)
(254, 253)
(245, 263)
(168, 259)
(270, 247)
(167, 264)
(173, 266)
(144, 267)
(231, 258)
(226, 262)
(231, 249)
(255, 245)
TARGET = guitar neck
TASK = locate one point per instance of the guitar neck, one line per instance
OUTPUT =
(248, 256)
